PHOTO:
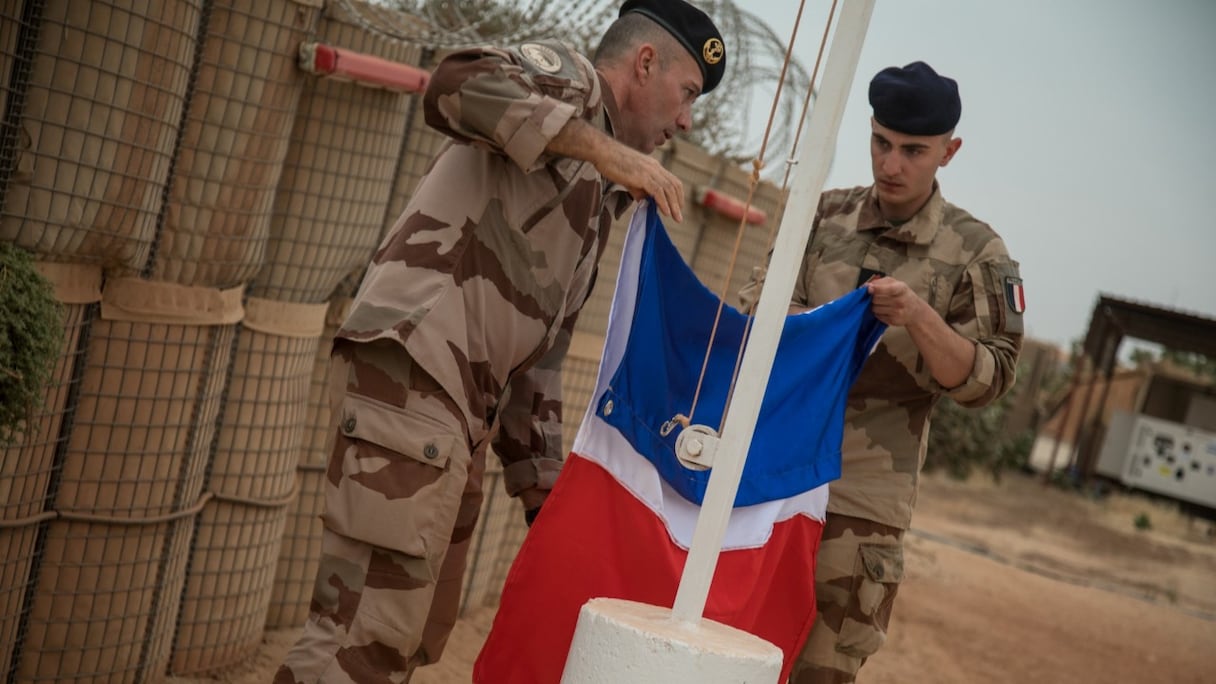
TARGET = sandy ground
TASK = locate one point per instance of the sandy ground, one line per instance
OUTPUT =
(1012, 582)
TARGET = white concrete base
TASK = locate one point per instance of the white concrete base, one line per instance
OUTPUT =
(617, 641)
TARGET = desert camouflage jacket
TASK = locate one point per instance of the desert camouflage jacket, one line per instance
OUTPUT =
(957, 264)
(483, 275)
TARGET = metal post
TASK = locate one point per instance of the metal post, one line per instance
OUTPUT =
(814, 160)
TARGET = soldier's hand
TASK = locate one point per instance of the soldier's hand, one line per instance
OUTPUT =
(644, 177)
(532, 499)
(894, 303)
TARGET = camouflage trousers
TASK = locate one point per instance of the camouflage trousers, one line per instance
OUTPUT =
(858, 570)
(403, 494)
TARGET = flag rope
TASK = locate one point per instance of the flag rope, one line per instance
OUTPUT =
(754, 181)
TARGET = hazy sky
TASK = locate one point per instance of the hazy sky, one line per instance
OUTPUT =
(1089, 138)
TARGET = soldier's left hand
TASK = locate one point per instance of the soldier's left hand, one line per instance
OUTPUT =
(531, 499)
(894, 303)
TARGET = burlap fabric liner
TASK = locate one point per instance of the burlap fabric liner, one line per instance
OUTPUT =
(153, 379)
(149, 301)
(285, 319)
(258, 444)
(299, 554)
(234, 141)
(26, 466)
(17, 547)
(106, 597)
(301, 548)
(223, 612)
(73, 283)
(106, 86)
(324, 226)
(29, 461)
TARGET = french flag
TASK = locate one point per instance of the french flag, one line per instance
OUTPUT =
(620, 519)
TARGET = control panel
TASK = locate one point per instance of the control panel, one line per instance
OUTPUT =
(1172, 459)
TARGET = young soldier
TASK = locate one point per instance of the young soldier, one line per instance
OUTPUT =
(944, 283)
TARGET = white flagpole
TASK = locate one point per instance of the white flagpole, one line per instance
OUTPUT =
(788, 248)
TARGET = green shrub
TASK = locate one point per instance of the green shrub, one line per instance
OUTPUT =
(31, 337)
(963, 440)
(1143, 522)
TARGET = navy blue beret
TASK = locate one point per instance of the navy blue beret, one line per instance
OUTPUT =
(693, 28)
(915, 100)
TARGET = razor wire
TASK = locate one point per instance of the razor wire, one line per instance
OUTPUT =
(727, 122)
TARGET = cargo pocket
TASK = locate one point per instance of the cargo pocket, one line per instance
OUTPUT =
(402, 473)
(879, 570)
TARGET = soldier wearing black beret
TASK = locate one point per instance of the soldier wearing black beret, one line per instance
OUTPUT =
(545, 149)
(952, 298)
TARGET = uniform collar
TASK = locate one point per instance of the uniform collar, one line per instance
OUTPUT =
(609, 99)
(623, 199)
(918, 230)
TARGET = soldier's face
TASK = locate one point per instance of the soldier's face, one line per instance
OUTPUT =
(904, 167)
(663, 106)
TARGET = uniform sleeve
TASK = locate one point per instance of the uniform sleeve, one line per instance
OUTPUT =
(511, 101)
(988, 310)
(529, 437)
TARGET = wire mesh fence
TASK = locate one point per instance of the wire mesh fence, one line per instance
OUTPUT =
(89, 150)
(17, 43)
(339, 173)
(233, 142)
(300, 549)
(28, 466)
(252, 479)
(127, 489)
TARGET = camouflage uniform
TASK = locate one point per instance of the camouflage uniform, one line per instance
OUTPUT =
(960, 266)
(454, 343)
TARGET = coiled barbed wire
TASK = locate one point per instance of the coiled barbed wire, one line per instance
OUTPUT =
(729, 122)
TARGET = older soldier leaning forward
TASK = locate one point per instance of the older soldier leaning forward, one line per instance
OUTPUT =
(456, 337)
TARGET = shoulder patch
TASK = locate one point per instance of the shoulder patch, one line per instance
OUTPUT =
(542, 57)
(1015, 295)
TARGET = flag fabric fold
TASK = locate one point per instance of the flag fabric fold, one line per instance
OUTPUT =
(621, 516)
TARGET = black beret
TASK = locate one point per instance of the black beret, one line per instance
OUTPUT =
(693, 28)
(915, 100)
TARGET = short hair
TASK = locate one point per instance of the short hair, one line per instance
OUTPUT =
(630, 31)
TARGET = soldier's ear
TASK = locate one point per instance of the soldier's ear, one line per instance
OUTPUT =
(952, 146)
(646, 61)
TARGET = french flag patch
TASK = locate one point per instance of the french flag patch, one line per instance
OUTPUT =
(1015, 295)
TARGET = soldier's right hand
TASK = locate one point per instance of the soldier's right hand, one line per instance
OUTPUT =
(644, 177)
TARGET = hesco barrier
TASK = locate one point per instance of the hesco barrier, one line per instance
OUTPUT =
(28, 466)
(129, 482)
(14, 66)
(252, 480)
(300, 551)
(233, 141)
(98, 120)
(346, 143)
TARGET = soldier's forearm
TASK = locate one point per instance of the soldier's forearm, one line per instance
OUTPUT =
(580, 140)
(948, 355)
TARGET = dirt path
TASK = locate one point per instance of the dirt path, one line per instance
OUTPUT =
(1008, 583)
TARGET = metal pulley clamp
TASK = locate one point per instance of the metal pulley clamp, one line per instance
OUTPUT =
(696, 447)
